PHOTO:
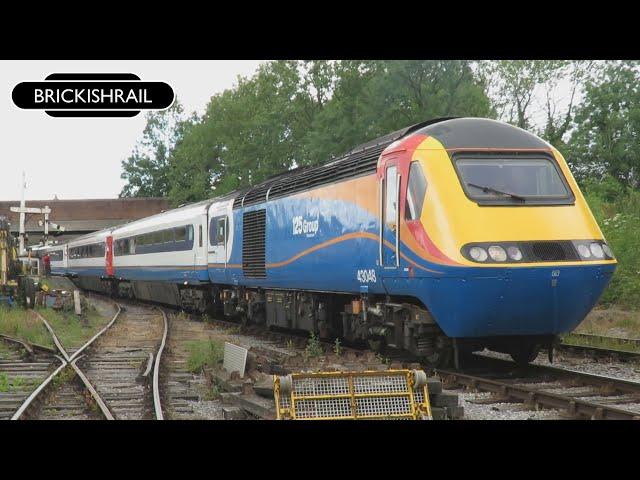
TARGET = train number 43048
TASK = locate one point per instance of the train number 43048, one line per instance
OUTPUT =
(366, 276)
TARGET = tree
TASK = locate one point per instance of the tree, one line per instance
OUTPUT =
(296, 113)
(247, 134)
(146, 170)
(513, 83)
(559, 120)
(372, 98)
(608, 125)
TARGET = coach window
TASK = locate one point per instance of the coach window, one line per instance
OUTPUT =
(181, 234)
(200, 235)
(391, 194)
(167, 236)
(415, 192)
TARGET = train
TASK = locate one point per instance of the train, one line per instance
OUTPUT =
(439, 239)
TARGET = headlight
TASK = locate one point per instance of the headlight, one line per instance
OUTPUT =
(583, 250)
(514, 253)
(607, 250)
(478, 254)
(596, 250)
(497, 253)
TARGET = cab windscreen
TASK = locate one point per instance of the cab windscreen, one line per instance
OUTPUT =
(513, 180)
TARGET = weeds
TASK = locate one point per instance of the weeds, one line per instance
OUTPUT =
(204, 353)
(70, 329)
(65, 376)
(314, 348)
(10, 384)
(214, 392)
(337, 347)
(383, 359)
(22, 324)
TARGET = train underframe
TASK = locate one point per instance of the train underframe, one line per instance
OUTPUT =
(382, 322)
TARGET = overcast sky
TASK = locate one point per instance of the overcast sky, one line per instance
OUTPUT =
(80, 158)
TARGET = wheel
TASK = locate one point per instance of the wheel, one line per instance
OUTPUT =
(524, 354)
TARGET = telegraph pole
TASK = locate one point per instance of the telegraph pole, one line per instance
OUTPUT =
(22, 215)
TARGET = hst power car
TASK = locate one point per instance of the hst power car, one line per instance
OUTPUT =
(441, 238)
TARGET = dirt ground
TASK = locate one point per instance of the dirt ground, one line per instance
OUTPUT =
(613, 322)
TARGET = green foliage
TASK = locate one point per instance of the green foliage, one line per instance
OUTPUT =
(337, 347)
(617, 210)
(65, 376)
(147, 168)
(377, 97)
(313, 348)
(291, 114)
(203, 353)
(71, 330)
(20, 323)
(11, 384)
(608, 126)
(514, 83)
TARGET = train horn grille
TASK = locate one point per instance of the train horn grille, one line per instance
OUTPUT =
(560, 251)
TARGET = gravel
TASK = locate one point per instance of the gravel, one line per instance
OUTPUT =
(499, 411)
(204, 410)
(609, 368)
(597, 366)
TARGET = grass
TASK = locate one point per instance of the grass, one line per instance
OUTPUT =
(612, 322)
(4, 350)
(74, 331)
(10, 384)
(22, 324)
(209, 353)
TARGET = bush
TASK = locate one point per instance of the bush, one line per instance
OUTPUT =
(617, 211)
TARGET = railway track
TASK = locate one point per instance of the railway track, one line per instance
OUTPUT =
(182, 389)
(577, 394)
(622, 349)
(122, 364)
(22, 368)
(114, 375)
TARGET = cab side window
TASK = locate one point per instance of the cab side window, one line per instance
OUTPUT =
(391, 192)
(416, 192)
